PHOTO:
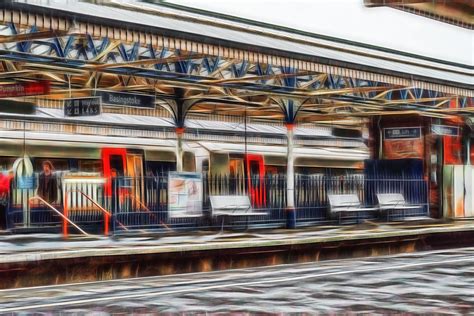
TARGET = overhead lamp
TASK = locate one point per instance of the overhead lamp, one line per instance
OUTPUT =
(73, 29)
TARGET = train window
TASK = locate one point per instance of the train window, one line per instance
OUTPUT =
(159, 168)
(236, 167)
(254, 168)
(116, 163)
(189, 162)
(90, 165)
(6, 163)
(58, 164)
(205, 165)
(274, 169)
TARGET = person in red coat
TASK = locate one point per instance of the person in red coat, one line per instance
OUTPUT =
(5, 181)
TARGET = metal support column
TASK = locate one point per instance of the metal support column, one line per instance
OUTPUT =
(179, 148)
(290, 179)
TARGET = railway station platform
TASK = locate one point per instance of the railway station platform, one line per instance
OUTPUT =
(43, 259)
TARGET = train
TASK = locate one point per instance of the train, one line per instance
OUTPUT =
(140, 146)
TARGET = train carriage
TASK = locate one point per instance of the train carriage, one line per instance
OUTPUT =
(139, 147)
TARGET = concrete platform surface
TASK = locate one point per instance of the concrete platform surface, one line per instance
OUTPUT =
(38, 247)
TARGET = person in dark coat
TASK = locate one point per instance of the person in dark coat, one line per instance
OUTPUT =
(47, 183)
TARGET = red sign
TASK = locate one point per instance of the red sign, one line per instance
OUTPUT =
(403, 142)
(452, 150)
(472, 152)
(21, 89)
(401, 149)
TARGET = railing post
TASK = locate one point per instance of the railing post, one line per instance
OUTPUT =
(7, 214)
(113, 199)
(66, 211)
(113, 218)
(106, 216)
(427, 192)
(106, 224)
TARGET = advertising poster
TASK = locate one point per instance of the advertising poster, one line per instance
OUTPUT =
(403, 142)
(184, 194)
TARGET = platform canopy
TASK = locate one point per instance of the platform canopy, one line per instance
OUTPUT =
(457, 12)
(192, 63)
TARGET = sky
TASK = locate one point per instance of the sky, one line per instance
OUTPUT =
(350, 19)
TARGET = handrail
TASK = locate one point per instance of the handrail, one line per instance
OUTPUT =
(147, 210)
(90, 199)
(107, 213)
(58, 212)
(137, 200)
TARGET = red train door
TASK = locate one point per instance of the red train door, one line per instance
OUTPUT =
(256, 179)
(114, 162)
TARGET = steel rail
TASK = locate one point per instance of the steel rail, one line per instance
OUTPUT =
(230, 285)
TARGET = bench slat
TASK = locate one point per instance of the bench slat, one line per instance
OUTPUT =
(394, 201)
(232, 205)
(344, 203)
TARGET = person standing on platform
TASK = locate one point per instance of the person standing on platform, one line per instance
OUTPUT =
(5, 186)
(47, 183)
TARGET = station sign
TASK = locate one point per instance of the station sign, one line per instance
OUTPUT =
(25, 182)
(127, 99)
(445, 130)
(22, 89)
(82, 107)
(397, 133)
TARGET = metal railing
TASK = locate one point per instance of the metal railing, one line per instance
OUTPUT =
(107, 214)
(63, 216)
(130, 208)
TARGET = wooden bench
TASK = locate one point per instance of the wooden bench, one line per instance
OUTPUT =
(347, 203)
(394, 202)
(232, 206)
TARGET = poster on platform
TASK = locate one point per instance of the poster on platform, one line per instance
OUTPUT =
(403, 142)
(185, 193)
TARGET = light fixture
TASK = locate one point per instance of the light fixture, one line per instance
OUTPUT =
(73, 29)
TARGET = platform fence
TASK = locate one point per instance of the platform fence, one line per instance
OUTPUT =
(142, 203)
